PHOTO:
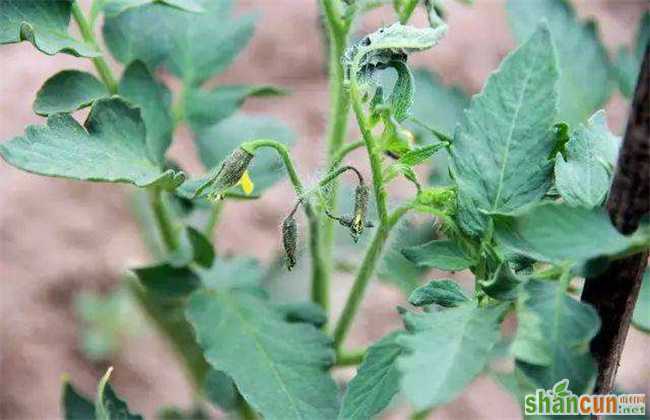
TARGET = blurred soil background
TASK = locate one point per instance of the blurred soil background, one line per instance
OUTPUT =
(59, 238)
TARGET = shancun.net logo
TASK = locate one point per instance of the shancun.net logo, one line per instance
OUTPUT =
(561, 401)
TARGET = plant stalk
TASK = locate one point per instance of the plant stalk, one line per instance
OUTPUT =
(386, 223)
(213, 218)
(338, 30)
(166, 226)
(360, 283)
(350, 358)
(88, 36)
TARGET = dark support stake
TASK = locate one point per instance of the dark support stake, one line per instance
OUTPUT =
(614, 292)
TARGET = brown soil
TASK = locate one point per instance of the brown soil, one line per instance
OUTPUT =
(60, 237)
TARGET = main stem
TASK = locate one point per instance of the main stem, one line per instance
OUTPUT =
(360, 283)
(88, 36)
(338, 123)
(381, 235)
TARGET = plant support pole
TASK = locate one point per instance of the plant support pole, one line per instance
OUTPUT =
(614, 292)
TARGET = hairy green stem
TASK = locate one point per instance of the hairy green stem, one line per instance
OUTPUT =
(386, 223)
(166, 225)
(374, 155)
(350, 358)
(319, 286)
(344, 151)
(360, 283)
(213, 218)
(338, 32)
(88, 36)
(337, 172)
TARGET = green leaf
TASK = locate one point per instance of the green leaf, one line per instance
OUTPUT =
(503, 284)
(444, 255)
(191, 46)
(74, 405)
(108, 406)
(217, 142)
(583, 179)
(236, 272)
(438, 106)
(139, 86)
(205, 108)
(111, 147)
(641, 315)
(628, 63)
(44, 23)
(168, 282)
(448, 350)
(285, 371)
(115, 7)
(220, 390)
(552, 340)
(584, 84)
(509, 122)
(442, 292)
(559, 233)
(68, 91)
(202, 249)
(394, 268)
(168, 314)
(308, 312)
(376, 381)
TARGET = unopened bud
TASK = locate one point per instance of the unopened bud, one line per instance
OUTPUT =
(231, 171)
(289, 240)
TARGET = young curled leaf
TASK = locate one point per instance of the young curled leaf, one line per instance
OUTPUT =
(401, 99)
(437, 201)
(387, 45)
(290, 240)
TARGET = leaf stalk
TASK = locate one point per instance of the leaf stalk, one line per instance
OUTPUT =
(87, 34)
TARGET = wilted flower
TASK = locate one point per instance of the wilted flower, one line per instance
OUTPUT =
(360, 210)
(290, 239)
(230, 173)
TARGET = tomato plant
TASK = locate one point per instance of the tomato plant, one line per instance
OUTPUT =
(527, 166)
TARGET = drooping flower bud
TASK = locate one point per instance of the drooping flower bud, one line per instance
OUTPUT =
(230, 173)
(361, 195)
(290, 239)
